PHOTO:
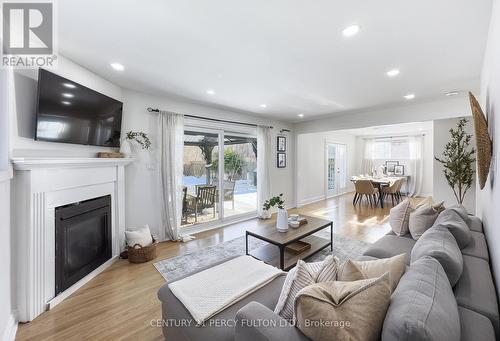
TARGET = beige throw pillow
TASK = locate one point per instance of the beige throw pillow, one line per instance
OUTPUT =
(421, 220)
(343, 310)
(400, 216)
(352, 270)
(301, 276)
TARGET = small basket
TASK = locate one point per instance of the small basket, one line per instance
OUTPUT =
(142, 254)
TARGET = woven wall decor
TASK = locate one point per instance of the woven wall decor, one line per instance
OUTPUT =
(483, 141)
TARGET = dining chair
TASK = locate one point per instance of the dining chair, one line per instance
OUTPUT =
(365, 188)
(392, 190)
(401, 183)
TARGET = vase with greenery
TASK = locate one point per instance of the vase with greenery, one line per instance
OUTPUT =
(458, 161)
(140, 138)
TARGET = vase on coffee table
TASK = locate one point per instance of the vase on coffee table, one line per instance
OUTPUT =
(282, 220)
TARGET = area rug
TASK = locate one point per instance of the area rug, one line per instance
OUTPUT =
(174, 268)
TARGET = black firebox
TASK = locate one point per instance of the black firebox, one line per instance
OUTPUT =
(83, 239)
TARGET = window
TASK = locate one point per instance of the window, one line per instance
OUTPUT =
(391, 150)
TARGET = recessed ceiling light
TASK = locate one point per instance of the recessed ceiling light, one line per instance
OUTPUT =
(393, 73)
(451, 93)
(211, 92)
(410, 96)
(66, 103)
(351, 30)
(69, 85)
(300, 115)
(263, 105)
(67, 95)
(117, 66)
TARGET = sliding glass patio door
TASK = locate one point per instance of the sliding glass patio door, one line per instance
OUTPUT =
(336, 169)
(219, 177)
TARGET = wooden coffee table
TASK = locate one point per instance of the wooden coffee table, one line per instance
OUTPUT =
(275, 252)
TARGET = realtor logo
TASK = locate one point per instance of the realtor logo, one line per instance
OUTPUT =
(28, 34)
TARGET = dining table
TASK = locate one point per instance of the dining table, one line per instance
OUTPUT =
(379, 182)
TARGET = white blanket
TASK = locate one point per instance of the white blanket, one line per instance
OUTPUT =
(208, 292)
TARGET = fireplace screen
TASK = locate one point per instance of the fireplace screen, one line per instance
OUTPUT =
(83, 239)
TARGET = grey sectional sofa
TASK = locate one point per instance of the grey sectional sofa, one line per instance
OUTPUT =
(474, 294)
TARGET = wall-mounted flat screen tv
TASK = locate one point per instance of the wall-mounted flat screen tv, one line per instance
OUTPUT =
(69, 112)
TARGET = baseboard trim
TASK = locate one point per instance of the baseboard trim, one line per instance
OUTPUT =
(10, 330)
(310, 200)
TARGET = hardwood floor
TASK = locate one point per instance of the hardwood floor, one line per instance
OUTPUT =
(121, 302)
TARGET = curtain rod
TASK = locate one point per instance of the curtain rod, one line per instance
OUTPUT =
(215, 119)
(389, 137)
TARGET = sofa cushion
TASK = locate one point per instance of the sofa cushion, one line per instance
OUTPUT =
(362, 304)
(460, 209)
(399, 217)
(174, 310)
(475, 290)
(475, 326)
(395, 266)
(440, 244)
(421, 220)
(459, 229)
(477, 246)
(475, 224)
(423, 306)
(390, 246)
(300, 277)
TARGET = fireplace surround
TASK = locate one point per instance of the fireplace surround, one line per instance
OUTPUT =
(39, 187)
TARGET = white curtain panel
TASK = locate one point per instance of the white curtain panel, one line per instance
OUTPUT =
(367, 162)
(264, 157)
(171, 145)
(416, 165)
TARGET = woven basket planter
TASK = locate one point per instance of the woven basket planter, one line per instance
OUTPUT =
(483, 141)
(142, 254)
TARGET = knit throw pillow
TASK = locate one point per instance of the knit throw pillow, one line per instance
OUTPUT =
(399, 217)
(303, 275)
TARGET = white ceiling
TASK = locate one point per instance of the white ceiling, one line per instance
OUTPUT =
(288, 54)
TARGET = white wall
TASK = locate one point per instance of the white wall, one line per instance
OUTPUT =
(489, 197)
(442, 191)
(311, 166)
(7, 321)
(23, 113)
(141, 180)
(415, 112)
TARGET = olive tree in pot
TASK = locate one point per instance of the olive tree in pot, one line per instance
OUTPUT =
(458, 161)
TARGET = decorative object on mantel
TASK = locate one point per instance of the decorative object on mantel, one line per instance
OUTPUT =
(141, 138)
(110, 155)
(125, 148)
(270, 203)
(457, 161)
(483, 141)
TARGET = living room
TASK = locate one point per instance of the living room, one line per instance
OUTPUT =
(273, 158)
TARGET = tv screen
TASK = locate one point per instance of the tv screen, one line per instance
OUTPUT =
(69, 112)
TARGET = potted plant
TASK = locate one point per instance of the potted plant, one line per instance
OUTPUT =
(139, 137)
(458, 160)
(282, 219)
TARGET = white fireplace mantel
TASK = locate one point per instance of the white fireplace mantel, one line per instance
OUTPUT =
(40, 185)
(34, 163)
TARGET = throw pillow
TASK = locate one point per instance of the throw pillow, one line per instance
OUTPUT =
(141, 236)
(440, 244)
(460, 209)
(299, 277)
(353, 270)
(450, 219)
(423, 307)
(421, 220)
(343, 310)
(399, 217)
